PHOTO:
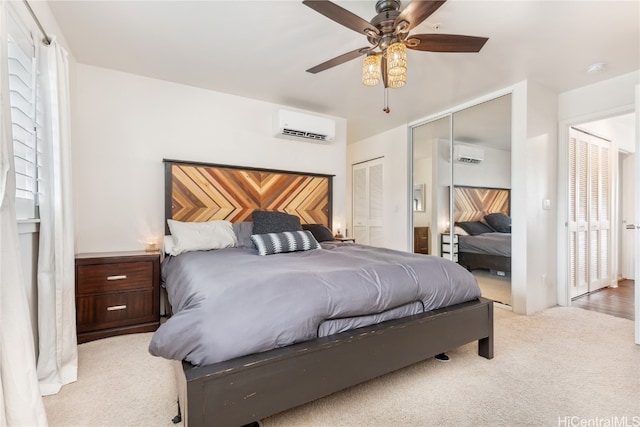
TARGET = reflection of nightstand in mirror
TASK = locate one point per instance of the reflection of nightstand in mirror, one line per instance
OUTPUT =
(421, 240)
(345, 239)
(449, 246)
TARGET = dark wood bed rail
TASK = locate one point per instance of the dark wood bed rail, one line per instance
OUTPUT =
(254, 387)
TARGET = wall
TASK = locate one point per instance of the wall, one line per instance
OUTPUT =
(124, 125)
(392, 147)
(541, 178)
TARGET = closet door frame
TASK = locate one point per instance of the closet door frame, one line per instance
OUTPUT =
(366, 220)
(591, 212)
(564, 285)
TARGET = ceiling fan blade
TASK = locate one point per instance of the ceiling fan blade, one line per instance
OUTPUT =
(345, 57)
(417, 11)
(341, 16)
(446, 43)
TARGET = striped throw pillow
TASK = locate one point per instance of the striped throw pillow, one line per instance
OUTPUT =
(288, 241)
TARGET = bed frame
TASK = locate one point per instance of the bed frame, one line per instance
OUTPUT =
(472, 261)
(249, 388)
(472, 204)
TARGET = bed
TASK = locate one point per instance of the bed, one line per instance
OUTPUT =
(482, 245)
(237, 387)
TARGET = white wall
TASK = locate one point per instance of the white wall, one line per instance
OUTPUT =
(599, 100)
(124, 125)
(621, 134)
(392, 147)
(541, 184)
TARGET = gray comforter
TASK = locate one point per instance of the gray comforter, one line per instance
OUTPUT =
(231, 302)
(487, 243)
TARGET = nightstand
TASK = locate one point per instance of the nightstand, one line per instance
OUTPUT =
(421, 240)
(117, 293)
(449, 246)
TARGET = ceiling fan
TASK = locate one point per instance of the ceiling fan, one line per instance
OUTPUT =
(388, 36)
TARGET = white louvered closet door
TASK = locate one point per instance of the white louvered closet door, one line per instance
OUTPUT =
(368, 203)
(590, 204)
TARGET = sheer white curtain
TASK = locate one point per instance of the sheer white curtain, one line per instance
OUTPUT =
(58, 356)
(20, 401)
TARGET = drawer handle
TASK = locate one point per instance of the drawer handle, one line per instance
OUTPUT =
(122, 277)
(117, 307)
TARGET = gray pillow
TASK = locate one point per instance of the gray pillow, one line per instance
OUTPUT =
(243, 231)
(319, 231)
(499, 222)
(474, 227)
(274, 222)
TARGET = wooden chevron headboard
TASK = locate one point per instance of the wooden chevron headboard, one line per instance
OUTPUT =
(196, 192)
(473, 203)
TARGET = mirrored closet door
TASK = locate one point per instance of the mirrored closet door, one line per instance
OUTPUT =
(463, 159)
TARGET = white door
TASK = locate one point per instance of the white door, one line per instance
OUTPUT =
(590, 207)
(628, 203)
(367, 202)
(637, 218)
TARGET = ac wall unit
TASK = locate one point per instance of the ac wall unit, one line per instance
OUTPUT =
(303, 127)
(467, 154)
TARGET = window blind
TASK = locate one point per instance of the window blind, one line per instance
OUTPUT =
(24, 118)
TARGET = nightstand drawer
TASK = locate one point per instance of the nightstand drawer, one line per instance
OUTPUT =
(446, 238)
(447, 247)
(103, 278)
(113, 310)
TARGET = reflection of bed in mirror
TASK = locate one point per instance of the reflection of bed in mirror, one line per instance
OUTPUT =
(483, 226)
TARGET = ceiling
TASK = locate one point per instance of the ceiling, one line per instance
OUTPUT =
(261, 49)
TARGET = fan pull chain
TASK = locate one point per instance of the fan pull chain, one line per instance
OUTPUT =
(386, 108)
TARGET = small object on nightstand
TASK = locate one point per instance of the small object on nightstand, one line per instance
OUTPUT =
(338, 235)
(151, 247)
(345, 239)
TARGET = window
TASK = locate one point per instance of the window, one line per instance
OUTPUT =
(24, 118)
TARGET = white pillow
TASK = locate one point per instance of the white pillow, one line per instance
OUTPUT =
(168, 244)
(201, 236)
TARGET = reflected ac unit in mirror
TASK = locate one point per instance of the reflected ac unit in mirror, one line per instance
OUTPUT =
(467, 154)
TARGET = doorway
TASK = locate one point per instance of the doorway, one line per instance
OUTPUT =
(588, 267)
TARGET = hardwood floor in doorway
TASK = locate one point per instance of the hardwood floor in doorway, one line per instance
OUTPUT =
(613, 301)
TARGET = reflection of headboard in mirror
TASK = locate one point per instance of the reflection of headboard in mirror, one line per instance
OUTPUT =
(197, 192)
(473, 203)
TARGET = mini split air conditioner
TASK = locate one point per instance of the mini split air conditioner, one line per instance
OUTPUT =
(467, 154)
(303, 127)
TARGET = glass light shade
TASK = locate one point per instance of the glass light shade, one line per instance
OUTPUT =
(397, 81)
(397, 59)
(371, 74)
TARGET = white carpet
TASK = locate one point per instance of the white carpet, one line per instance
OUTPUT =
(564, 362)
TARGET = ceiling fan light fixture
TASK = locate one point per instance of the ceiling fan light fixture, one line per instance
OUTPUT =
(397, 59)
(371, 73)
(397, 81)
